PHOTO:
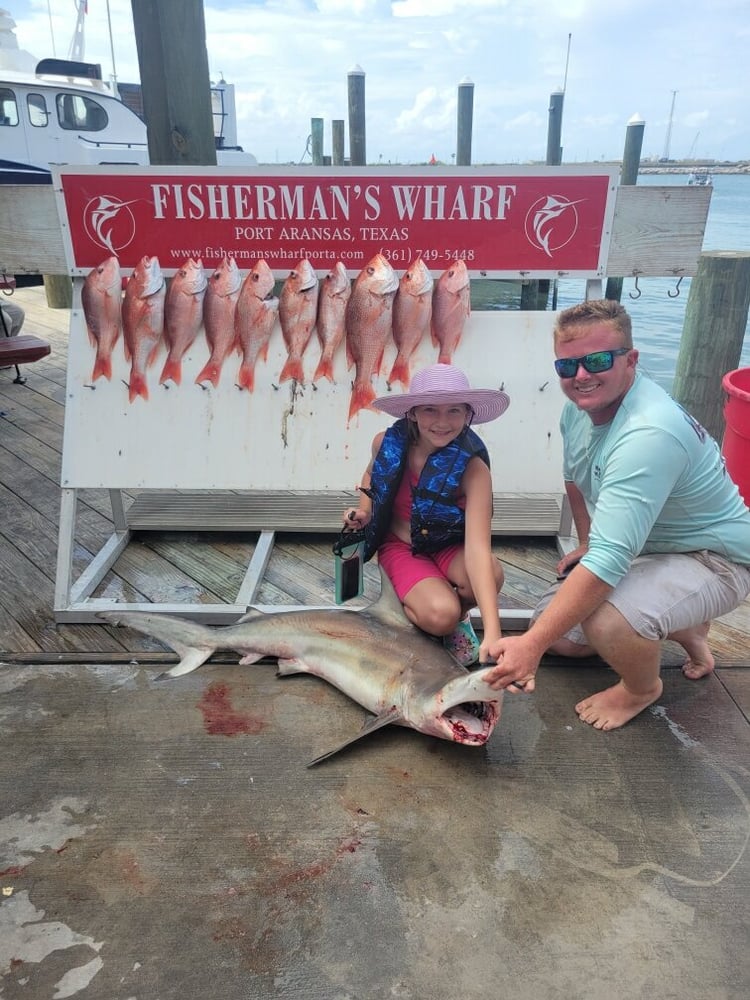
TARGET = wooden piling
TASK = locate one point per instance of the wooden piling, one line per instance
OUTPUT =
(712, 335)
(337, 142)
(631, 161)
(171, 42)
(58, 289)
(464, 122)
(316, 131)
(357, 152)
(554, 129)
(535, 294)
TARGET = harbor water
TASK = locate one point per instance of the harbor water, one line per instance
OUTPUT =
(658, 316)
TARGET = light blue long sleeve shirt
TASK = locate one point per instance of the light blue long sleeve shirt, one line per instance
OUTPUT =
(653, 481)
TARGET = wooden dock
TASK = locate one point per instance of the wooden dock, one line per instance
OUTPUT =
(176, 566)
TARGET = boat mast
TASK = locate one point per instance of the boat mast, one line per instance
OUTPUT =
(78, 42)
(668, 140)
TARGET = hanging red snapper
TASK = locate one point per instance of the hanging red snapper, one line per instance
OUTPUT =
(183, 315)
(218, 318)
(254, 320)
(335, 292)
(451, 308)
(412, 311)
(369, 316)
(101, 298)
(298, 308)
(143, 321)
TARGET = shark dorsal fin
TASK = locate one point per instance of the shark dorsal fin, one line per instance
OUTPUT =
(388, 609)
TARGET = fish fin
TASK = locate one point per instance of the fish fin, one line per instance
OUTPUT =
(246, 377)
(193, 642)
(362, 395)
(392, 717)
(154, 354)
(209, 373)
(400, 371)
(324, 370)
(172, 370)
(388, 609)
(102, 367)
(379, 363)
(137, 386)
(292, 369)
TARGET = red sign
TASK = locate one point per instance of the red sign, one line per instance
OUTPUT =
(540, 222)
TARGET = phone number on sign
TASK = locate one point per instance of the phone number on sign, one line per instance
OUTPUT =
(405, 255)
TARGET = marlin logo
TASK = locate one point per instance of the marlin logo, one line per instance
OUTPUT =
(109, 222)
(551, 223)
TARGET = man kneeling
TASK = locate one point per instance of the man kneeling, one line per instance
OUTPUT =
(664, 533)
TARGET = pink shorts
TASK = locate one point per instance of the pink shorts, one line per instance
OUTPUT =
(404, 569)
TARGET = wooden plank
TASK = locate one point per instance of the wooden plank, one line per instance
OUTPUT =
(30, 231)
(657, 231)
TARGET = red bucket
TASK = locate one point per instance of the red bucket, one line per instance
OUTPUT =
(736, 445)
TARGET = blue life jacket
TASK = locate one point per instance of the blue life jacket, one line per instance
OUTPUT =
(436, 519)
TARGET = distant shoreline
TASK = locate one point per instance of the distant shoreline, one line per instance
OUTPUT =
(743, 167)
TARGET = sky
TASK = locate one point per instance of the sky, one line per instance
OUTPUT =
(290, 60)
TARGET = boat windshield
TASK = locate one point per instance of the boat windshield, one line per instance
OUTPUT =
(8, 107)
(75, 111)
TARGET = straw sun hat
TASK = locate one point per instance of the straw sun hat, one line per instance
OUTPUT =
(440, 385)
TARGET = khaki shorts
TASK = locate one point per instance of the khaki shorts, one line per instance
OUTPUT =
(666, 592)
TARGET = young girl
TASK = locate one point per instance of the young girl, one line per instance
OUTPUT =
(427, 505)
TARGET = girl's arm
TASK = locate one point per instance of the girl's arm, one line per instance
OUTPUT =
(358, 517)
(477, 484)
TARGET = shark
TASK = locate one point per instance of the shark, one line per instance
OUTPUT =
(374, 655)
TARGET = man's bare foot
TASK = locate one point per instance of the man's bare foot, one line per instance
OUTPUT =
(615, 706)
(700, 660)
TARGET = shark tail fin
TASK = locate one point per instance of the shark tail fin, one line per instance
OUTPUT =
(391, 717)
(193, 643)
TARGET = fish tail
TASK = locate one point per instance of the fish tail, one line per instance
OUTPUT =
(193, 642)
(209, 373)
(102, 367)
(172, 370)
(324, 369)
(446, 356)
(362, 395)
(137, 386)
(292, 369)
(400, 371)
(246, 377)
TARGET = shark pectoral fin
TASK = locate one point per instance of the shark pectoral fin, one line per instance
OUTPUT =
(391, 717)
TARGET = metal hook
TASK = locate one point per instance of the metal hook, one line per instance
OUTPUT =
(638, 292)
(676, 292)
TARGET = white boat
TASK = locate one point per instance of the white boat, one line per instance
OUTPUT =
(61, 111)
(701, 177)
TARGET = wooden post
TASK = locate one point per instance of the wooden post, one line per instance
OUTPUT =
(170, 37)
(554, 129)
(337, 142)
(357, 153)
(631, 161)
(316, 130)
(715, 323)
(464, 122)
(535, 294)
(58, 288)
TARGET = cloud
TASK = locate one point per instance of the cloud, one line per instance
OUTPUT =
(290, 59)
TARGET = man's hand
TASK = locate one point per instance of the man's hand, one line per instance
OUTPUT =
(516, 667)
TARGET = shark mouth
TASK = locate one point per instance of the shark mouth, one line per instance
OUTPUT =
(472, 722)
